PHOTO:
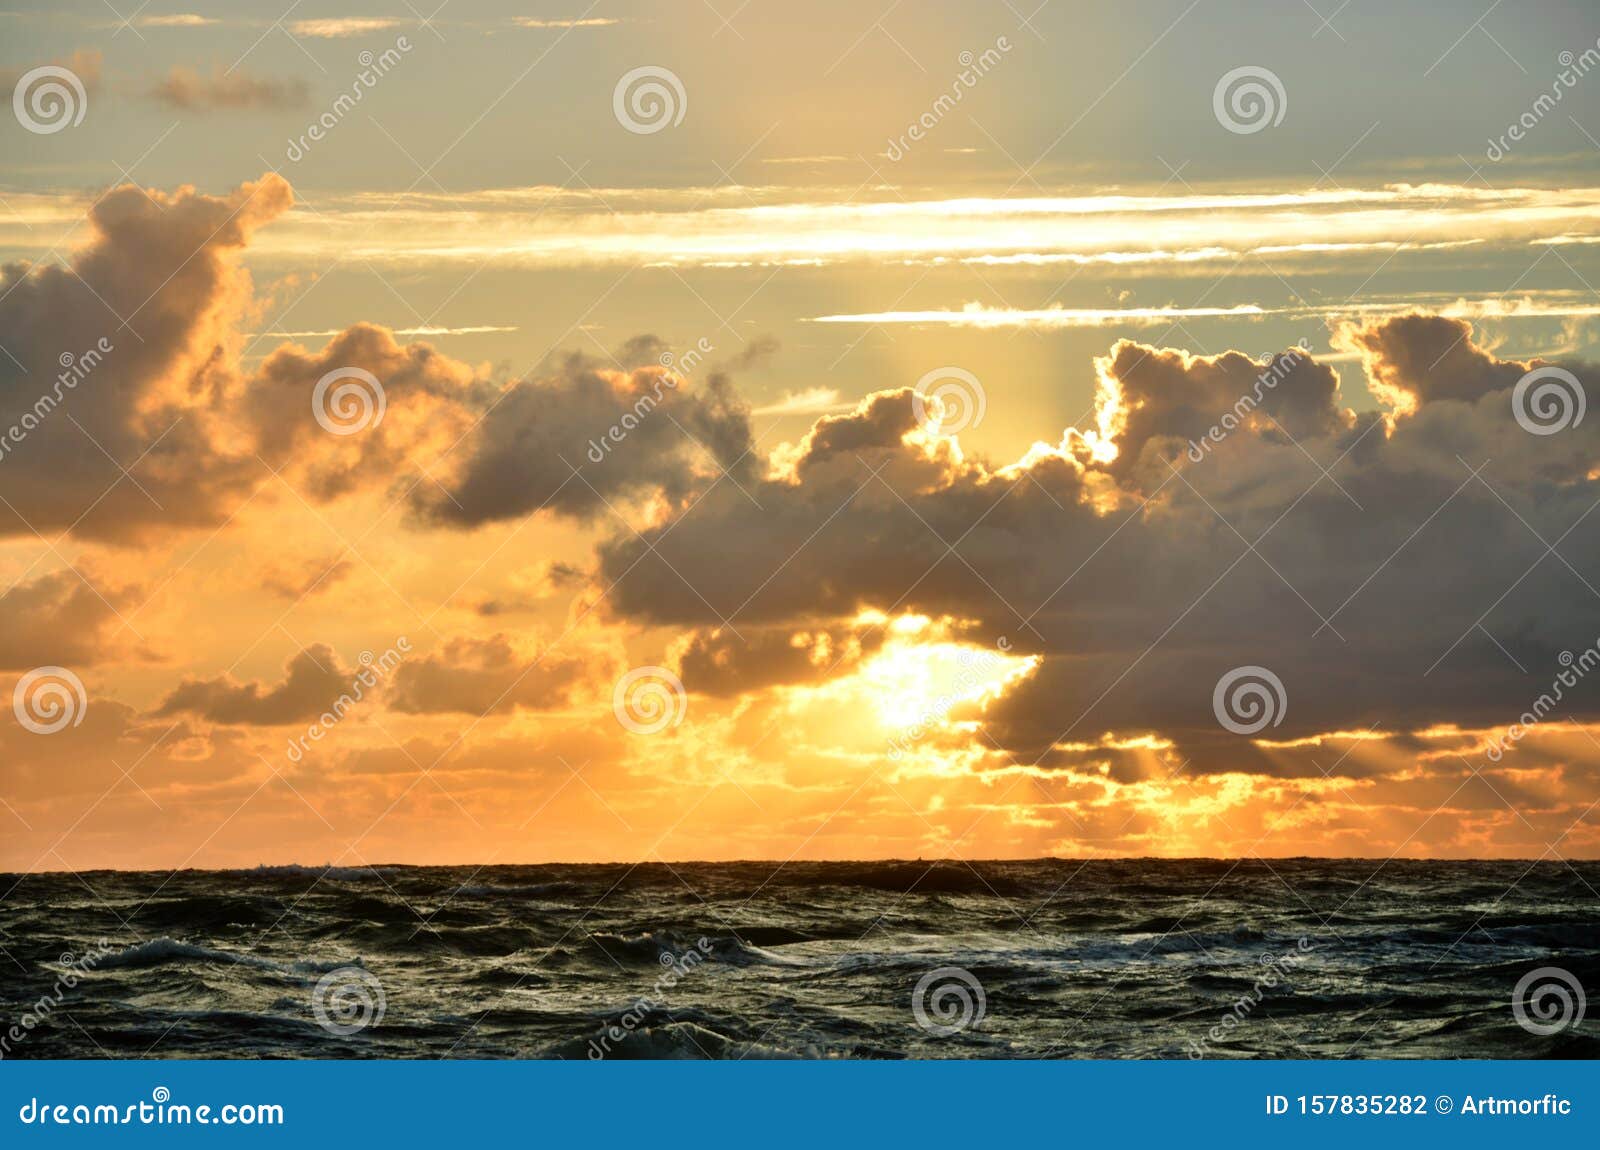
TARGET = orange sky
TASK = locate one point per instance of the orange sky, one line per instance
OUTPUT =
(852, 505)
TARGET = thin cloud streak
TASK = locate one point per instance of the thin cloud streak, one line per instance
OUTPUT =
(554, 227)
(979, 316)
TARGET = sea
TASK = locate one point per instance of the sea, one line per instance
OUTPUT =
(1110, 959)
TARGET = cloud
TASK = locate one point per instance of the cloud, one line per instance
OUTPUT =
(175, 20)
(590, 435)
(976, 315)
(113, 432)
(1418, 359)
(1389, 590)
(313, 681)
(589, 22)
(1391, 568)
(125, 435)
(1194, 234)
(487, 676)
(307, 579)
(1151, 397)
(533, 589)
(429, 401)
(84, 63)
(719, 662)
(59, 620)
(757, 353)
(338, 27)
(188, 90)
(1545, 305)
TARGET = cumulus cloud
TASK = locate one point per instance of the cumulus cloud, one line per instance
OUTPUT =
(1150, 397)
(1416, 359)
(428, 402)
(114, 431)
(313, 680)
(123, 432)
(487, 676)
(590, 434)
(718, 662)
(188, 90)
(1393, 568)
(1388, 591)
(59, 619)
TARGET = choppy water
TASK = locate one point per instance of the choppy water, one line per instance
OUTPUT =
(1106, 959)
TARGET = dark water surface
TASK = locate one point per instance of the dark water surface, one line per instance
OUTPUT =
(1105, 959)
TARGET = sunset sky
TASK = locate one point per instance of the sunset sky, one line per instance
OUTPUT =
(917, 540)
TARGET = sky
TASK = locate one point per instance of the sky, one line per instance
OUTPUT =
(506, 433)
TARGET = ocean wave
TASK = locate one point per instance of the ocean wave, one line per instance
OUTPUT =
(822, 961)
(676, 1039)
(193, 912)
(550, 890)
(162, 951)
(333, 873)
(657, 946)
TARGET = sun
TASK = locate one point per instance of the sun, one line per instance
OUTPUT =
(920, 676)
